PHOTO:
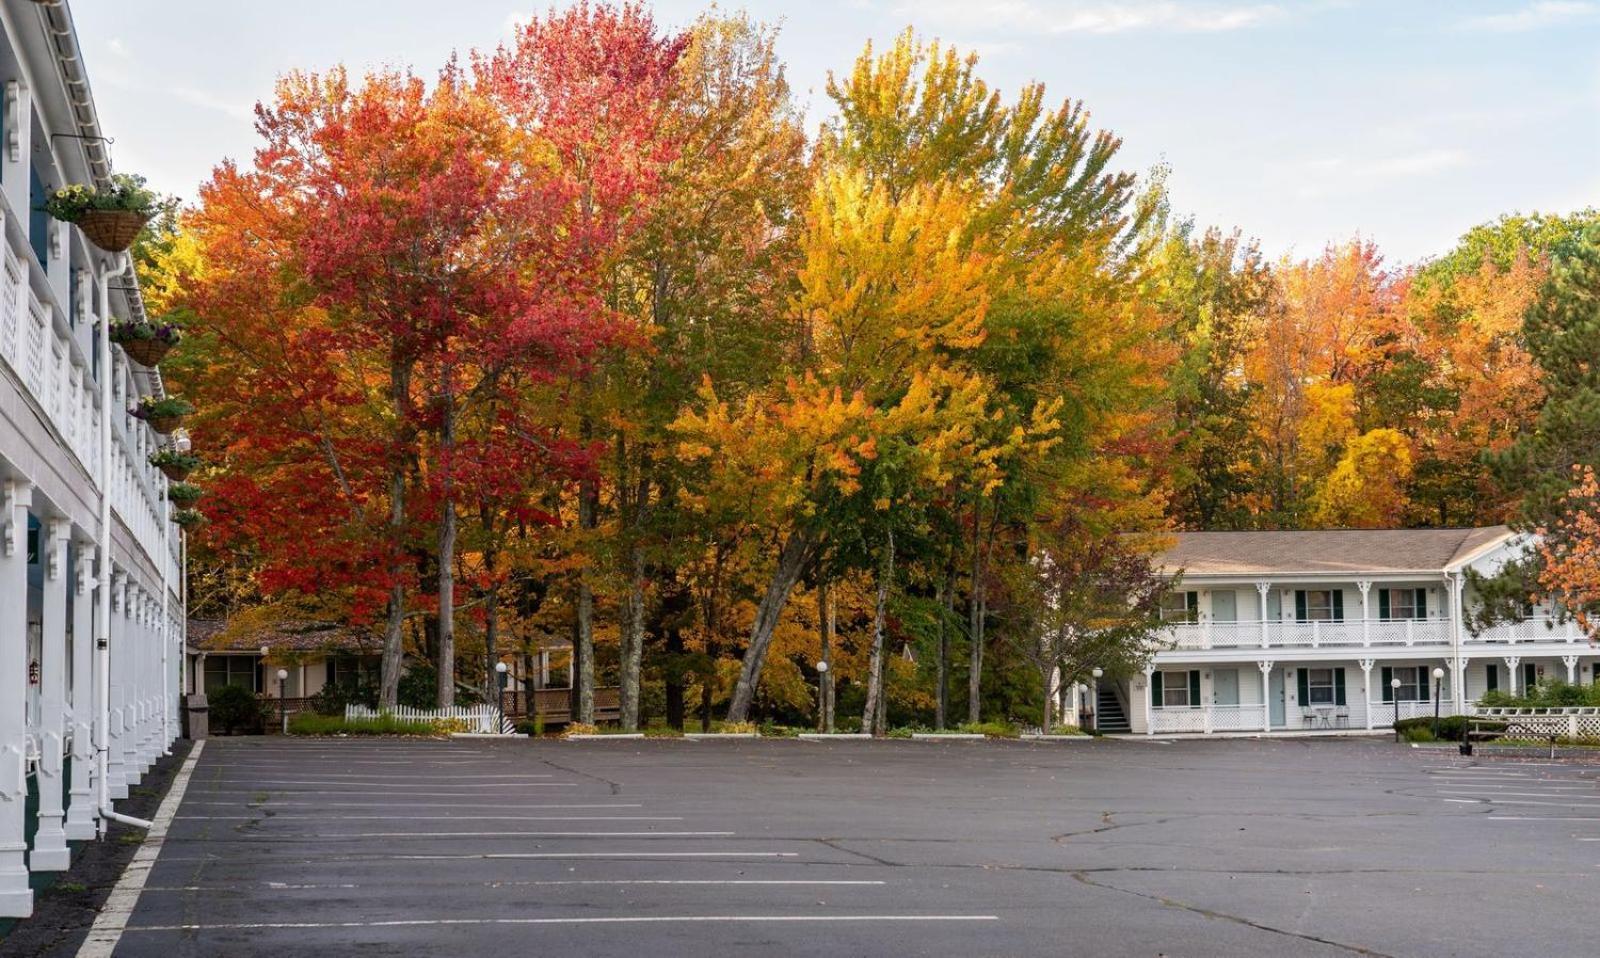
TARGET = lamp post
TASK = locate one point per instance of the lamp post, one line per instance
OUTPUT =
(1394, 689)
(500, 684)
(283, 707)
(824, 717)
(1438, 685)
(1094, 706)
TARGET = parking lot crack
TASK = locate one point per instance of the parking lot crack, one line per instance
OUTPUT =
(616, 787)
(1083, 877)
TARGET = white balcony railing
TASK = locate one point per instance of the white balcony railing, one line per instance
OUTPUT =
(1356, 633)
(37, 342)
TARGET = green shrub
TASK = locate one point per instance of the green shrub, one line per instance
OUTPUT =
(309, 723)
(1419, 733)
(1452, 728)
(236, 710)
(533, 726)
(333, 698)
(989, 729)
(770, 730)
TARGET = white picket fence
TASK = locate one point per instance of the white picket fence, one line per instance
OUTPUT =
(484, 719)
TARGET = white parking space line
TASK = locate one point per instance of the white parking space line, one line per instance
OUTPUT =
(355, 836)
(586, 920)
(529, 883)
(347, 793)
(236, 859)
(1495, 796)
(409, 782)
(112, 920)
(436, 818)
(1543, 818)
(386, 803)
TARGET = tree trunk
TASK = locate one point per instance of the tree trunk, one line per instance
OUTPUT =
(792, 559)
(1049, 700)
(975, 623)
(825, 678)
(492, 686)
(447, 553)
(583, 627)
(394, 628)
(945, 598)
(876, 710)
(633, 640)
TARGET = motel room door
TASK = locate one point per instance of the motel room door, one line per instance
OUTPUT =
(1225, 686)
(1275, 696)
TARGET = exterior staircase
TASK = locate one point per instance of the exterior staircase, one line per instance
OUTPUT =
(1110, 718)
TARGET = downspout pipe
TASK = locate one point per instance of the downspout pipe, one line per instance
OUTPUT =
(102, 635)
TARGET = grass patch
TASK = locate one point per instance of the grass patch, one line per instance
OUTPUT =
(309, 723)
(131, 838)
(71, 887)
(579, 728)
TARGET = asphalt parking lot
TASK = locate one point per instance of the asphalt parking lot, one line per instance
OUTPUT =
(1229, 848)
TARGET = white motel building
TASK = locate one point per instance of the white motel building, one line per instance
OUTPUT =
(1311, 631)
(90, 567)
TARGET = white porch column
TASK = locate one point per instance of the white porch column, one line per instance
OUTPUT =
(16, 899)
(1457, 585)
(1262, 588)
(1149, 671)
(1265, 665)
(1512, 661)
(1366, 686)
(1571, 662)
(80, 825)
(133, 687)
(50, 852)
(150, 657)
(116, 673)
(1365, 585)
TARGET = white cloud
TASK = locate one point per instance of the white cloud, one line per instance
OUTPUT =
(1534, 16)
(1088, 16)
(1331, 175)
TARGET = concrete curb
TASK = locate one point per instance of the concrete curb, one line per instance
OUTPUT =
(948, 736)
(833, 736)
(704, 735)
(624, 736)
(1058, 738)
(485, 735)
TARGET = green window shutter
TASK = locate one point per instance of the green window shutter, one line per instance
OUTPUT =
(1422, 603)
(1155, 689)
(1338, 605)
(1194, 688)
(1387, 676)
(1300, 605)
(1383, 604)
(1302, 680)
(1492, 677)
(1424, 681)
(1193, 601)
(1530, 676)
(1338, 687)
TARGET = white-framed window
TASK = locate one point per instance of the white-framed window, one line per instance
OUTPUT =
(231, 670)
(1414, 681)
(1319, 687)
(1172, 689)
(1180, 607)
(1396, 605)
(1319, 605)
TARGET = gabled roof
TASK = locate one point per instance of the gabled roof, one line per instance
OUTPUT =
(1328, 551)
(213, 635)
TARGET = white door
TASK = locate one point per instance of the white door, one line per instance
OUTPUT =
(1225, 606)
(1275, 697)
(1225, 686)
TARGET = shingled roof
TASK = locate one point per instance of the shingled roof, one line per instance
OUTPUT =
(1326, 551)
(214, 635)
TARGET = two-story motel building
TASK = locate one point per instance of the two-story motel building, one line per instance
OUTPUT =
(1292, 631)
(90, 569)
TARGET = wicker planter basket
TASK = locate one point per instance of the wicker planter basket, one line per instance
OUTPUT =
(165, 424)
(112, 230)
(175, 473)
(146, 352)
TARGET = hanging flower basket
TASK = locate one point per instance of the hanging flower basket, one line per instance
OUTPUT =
(111, 218)
(183, 494)
(188, 518)
(112, 230)
(163, 415)
(175, 465)
(145, 342)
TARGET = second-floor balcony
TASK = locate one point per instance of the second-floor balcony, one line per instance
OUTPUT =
(1362, 633)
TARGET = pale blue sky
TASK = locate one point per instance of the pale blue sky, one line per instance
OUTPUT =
(1302, 122)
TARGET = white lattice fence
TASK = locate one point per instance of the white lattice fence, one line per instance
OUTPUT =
(477, 718)
(1578, 722)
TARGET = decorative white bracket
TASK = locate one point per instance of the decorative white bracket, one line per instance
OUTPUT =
(13, 137)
